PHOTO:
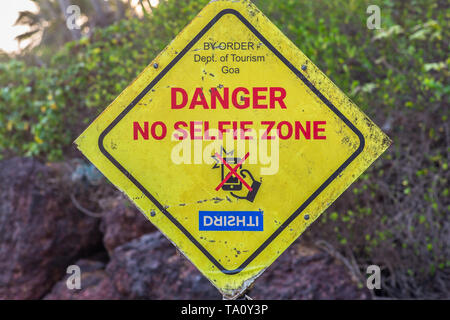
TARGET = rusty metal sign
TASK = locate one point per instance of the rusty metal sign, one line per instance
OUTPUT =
(232, 143)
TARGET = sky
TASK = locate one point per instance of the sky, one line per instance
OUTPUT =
(9, 11)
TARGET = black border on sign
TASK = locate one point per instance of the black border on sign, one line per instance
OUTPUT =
(298, 74)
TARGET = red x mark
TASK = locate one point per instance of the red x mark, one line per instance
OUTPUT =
(233, 172)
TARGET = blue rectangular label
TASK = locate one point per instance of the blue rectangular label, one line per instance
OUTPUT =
(230, 220)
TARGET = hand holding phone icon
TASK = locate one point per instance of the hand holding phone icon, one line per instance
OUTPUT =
(254, 188)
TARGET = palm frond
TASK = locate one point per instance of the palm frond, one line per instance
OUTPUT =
(27, 35)
(27, 18)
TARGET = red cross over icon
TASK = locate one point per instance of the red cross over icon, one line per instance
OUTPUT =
(233, 172)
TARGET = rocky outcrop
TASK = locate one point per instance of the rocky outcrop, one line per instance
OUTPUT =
(95, 284)
(41, 232)
(150, 268)
(303, 273)
(122, 222)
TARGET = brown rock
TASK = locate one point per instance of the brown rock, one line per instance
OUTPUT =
(122, 222)
(303, 273)
(95, 284)
(41, 232)
(150, 268)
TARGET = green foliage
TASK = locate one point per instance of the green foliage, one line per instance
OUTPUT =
(44, 108)
(29, 115)
(403, 65)
(395, 216)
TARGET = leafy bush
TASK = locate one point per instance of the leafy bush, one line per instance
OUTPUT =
(44, 108)
(396, 216)
(28, 112)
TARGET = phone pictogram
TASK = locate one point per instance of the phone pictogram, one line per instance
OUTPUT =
(233, 183)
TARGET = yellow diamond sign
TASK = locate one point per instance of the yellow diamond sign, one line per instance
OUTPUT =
(232, 143)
